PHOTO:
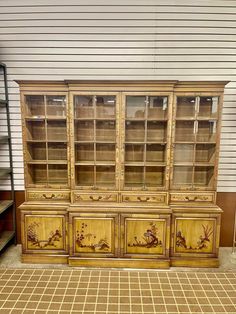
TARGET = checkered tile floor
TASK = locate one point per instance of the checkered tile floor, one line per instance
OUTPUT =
(44, 291)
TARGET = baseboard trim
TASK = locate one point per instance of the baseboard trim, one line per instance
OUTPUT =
(119, 263)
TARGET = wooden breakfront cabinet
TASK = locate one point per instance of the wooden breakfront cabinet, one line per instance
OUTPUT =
(121, 173)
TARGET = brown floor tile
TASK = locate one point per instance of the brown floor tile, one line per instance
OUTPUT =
(183, 308)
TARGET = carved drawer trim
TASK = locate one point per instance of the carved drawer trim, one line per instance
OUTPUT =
(48, 196)
(145, 198)
(192, 197)
(95, 197)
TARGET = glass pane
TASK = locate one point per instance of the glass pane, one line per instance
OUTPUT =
(56, 130)
(105, 176)
(83, 107)
(206, 131)
(84, 131)
(156, 131)
(35, 106)
(105, 106)
(183, 175)
(56, 106)
(208, 107)
(155, 152)
(184, 131)
(106, 131)
(84, 152)
(183, 153)
(57, 151)
(157, 107)
(57, 174)
(35, 130)
(37, 174)
(134, 131)
(155, 176)
(134, 176)
(105, 152)
(205, 152)
(185, 107)
(84, 175)
(204, 176)
(134, 152)
(135, 107)
(36, 151)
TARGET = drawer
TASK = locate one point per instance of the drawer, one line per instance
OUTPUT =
(63, 196)
(201, 198)
(160, 198)
(95, 197)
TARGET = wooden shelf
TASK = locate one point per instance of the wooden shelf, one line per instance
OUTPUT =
(4, 205)
(147, 164)
(97, 163)
(5, 238)
(96, 119)
(49, 162)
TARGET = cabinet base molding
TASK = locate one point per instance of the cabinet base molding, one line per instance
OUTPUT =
(44, 259)
(119, 263)
(194, 262)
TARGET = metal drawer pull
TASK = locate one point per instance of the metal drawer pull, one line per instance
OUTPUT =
(143, 199)
(48, 197)
(94, 198)
(191, 198)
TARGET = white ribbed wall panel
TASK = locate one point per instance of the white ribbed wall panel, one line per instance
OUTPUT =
(131, 39)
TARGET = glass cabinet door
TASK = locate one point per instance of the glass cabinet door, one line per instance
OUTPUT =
(194, 142)
(46, 140)
(95, 141)
(145, 138)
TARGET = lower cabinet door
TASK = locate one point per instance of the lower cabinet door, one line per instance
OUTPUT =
(44, 232)
(93, 234)
(195, 236)
(145, 235)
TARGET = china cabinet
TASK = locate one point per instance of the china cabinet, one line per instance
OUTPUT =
(121, 173)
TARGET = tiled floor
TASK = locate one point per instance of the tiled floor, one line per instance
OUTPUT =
(43, 289)
(111, 291)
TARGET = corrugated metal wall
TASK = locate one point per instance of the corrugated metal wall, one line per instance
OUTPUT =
(131, 39)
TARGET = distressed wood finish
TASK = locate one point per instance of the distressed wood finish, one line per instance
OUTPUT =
(137, 192)
(44, 230)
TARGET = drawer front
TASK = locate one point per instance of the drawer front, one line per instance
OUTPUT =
(44, 232)
(145, 198)
(95, 197)
(192, 198)
(63, 196)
